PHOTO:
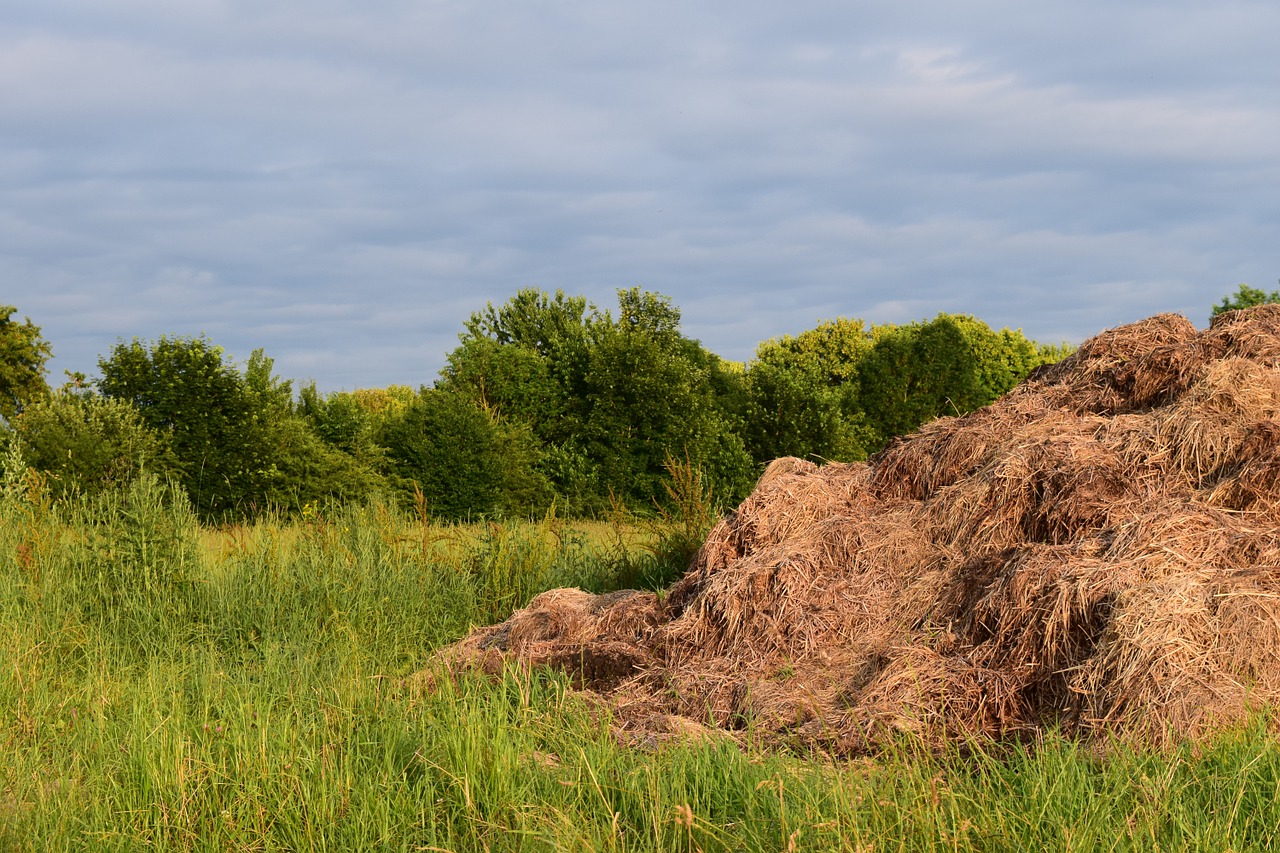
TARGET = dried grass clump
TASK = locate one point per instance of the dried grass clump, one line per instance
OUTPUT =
(1126, 369)
(1097, 551)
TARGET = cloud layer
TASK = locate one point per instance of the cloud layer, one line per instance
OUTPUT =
(343, 184)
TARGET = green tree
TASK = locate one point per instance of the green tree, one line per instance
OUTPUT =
(187, 390)
(609, 396)
(649, 396)
(352, 421)
(463, 459)
(23, 355)
(803, 394)
(950, 365)
(524, 360)
(1245, 297)
(240, 447)
(88, 443)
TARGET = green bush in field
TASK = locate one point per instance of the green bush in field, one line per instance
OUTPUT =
(87, 443)
(23, 354)
(462, 460)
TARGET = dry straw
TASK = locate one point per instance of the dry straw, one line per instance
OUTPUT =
(1097, 551)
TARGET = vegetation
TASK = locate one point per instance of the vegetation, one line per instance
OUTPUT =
(174, 687)
(547, 401)
(86, 443)
(608, 398)
(1245, 297)
(23, 354)
(220, 603)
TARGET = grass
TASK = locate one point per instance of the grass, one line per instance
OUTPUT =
(168, 687)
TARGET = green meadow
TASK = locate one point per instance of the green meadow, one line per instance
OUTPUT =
(170, 686)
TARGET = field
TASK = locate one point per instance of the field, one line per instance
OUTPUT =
(170, 687)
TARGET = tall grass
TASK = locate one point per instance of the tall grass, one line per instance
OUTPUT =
(167, 687)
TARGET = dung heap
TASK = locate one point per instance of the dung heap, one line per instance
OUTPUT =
(1097, 551)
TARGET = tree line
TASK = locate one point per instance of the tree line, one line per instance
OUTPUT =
(547, 400)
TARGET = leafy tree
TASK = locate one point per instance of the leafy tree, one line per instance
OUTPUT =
(648, 396)
(950, 365)
(1245, 297)
(524, 360)
(795, 412)
(513, 380)
(351, 421)
(240, 447)
(23, 355)
(187, 390)
(88, 443)
(609, 397)
(462, 459)
(803, 394)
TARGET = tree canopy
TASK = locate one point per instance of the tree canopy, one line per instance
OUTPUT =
(1245, 297)
(240, 446)
(610, 397)
(547, 399)
(842, 389)
(23, 355)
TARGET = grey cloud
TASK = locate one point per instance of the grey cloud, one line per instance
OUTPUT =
(342, 184)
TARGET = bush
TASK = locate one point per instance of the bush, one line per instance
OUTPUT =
(87, 444)
(462, 460)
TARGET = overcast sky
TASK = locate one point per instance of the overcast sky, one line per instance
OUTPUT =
(343, 183)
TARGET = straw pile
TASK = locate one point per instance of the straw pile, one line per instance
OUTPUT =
(1097, 551)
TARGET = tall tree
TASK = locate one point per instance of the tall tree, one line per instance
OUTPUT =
(609, 396)
(240, 447)
(186, 389)
(803, 394)
(650, 395)
(23, 355)
(950, 365)
(523, 359)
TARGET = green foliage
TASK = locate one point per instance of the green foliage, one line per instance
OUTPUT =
(240, 448)
(950, 365)
(803, 394)
(463, 460)
(648, 395)
(88, 443)
(14, 469)
(524, 360)
(1245, 297)
(352, 421)
(685, 518)
(509, 565)
(185, 389)
(23, 354)
(608, 398)
(545, 397)
(842, 390)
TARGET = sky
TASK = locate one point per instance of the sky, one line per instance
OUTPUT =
(343, 183)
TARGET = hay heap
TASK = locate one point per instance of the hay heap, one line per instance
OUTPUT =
(1098, 550)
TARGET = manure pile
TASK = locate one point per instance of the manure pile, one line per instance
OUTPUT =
(1099, 550)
